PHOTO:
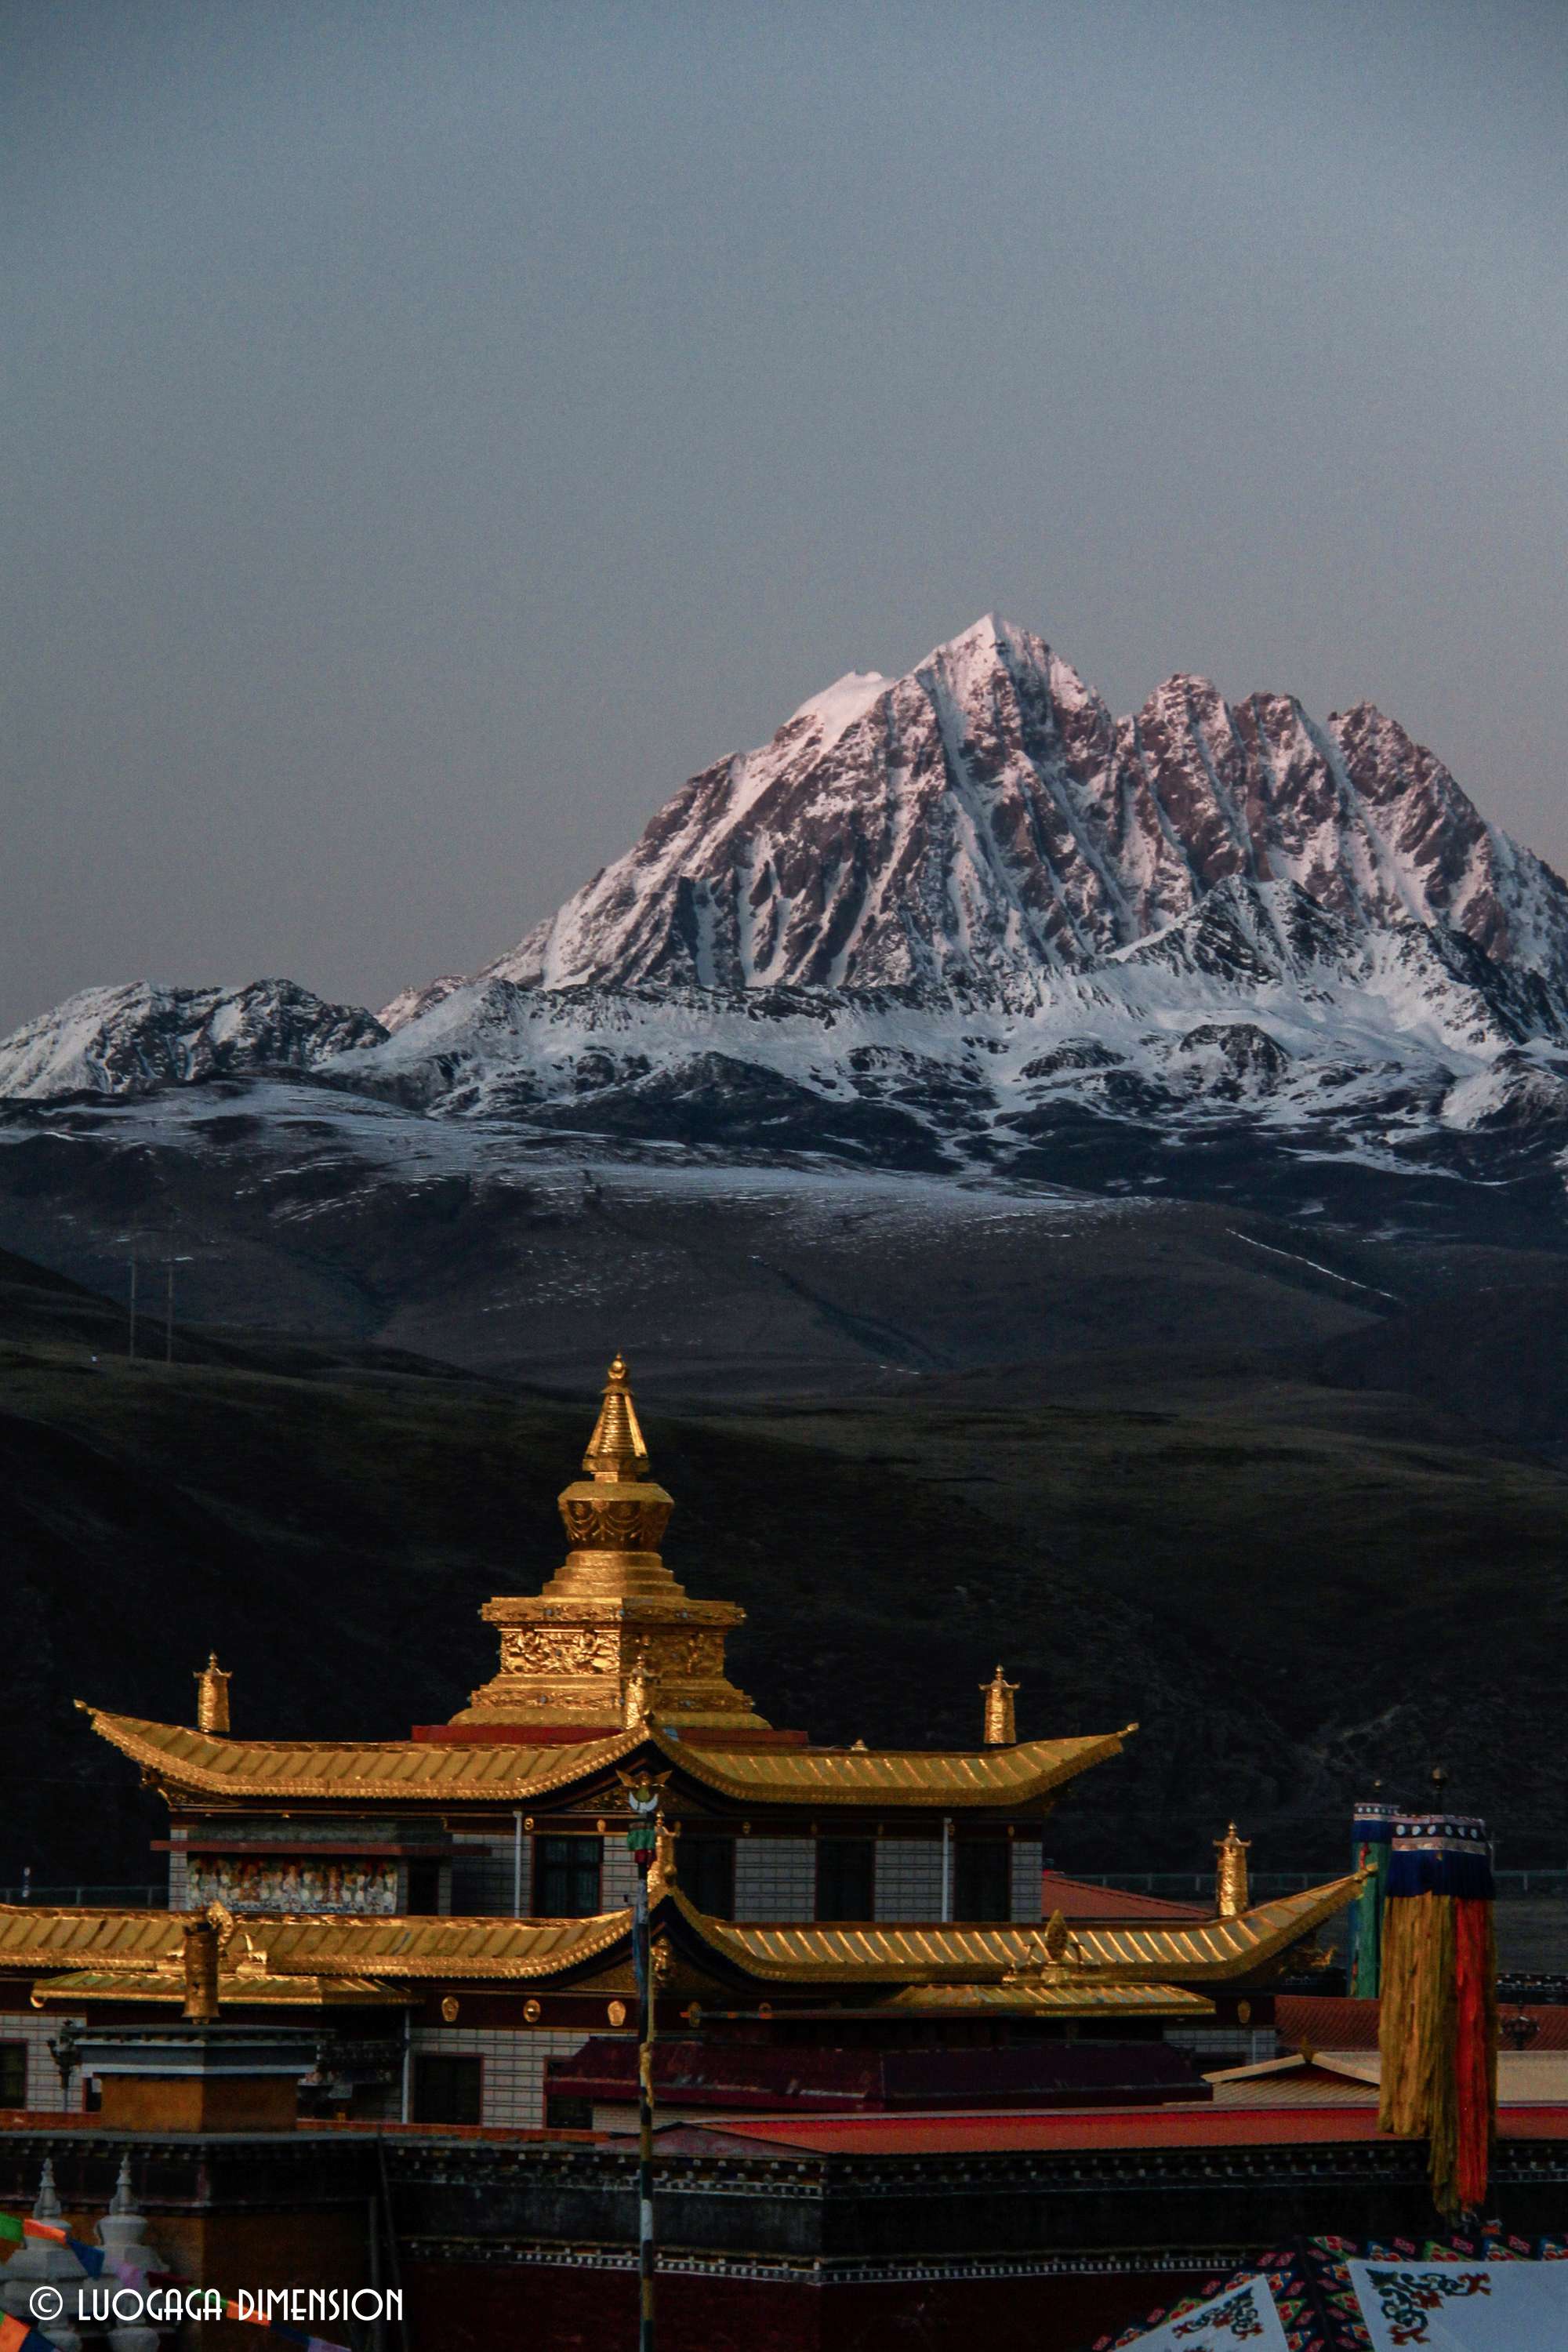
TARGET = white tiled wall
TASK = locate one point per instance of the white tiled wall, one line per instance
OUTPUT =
(512, 2082)
(775, 1878)
(1028, 1861)
(618, 1875)
(43, 2078)
(1226, 2045)
(482, 1877)
(908, 1879)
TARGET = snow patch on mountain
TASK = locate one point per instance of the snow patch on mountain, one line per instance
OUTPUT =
(138, 1039)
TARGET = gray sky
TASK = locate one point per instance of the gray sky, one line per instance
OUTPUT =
(430, 434)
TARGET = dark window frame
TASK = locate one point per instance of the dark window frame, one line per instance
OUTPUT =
(12, 2074)
(982, 1880)
(568, 1886)
(845, 1880)
(448, 2086)
(705, 1873)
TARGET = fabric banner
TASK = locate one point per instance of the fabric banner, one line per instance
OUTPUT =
(1437, 2027)
(1373, 1850)
(1242, 2314)
(1463, 2307)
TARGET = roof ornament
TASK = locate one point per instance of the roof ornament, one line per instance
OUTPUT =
(639, 1697)
(212, 1698)
(201, 1969)
(1230, 1896)
(1048, 1957)
(616, 1451)
(998, 1695)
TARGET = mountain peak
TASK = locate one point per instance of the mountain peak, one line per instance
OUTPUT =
(997, 822)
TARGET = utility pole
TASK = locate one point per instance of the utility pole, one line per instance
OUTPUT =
(133, 1310)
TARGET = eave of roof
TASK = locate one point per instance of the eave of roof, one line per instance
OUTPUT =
(1210, 1952)
(351, 1772)
(234, 1993)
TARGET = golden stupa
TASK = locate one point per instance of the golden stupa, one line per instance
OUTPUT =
(613, 1640)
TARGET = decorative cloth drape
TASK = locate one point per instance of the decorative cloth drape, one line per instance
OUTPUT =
(1374, 1845)
(1438, 2028)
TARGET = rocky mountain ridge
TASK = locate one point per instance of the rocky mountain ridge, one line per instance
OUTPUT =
(967, 919)
(986, 818)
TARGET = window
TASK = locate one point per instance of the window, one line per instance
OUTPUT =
(424, 1889)
(846, 1878)
(983, 1879)
(447, 2090)
(566, 1876)
(13, 2073)
(705, 1874)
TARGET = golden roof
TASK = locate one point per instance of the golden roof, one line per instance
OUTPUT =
(1208, 1951)
(238, 1992)
(508, 1948)
(1150, 2000)
(34, 1937)
(350, 1773)
(1009, 1959)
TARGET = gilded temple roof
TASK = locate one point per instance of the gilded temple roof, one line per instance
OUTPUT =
(1005, 1965)
(266, 1771)
(167, 1986)
(1208, 1951)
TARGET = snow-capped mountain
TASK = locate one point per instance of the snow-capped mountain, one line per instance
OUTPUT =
(137, 1038)
(986, 819)
(967, 918)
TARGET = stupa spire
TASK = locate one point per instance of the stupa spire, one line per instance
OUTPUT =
(612, 1639)
(616, 1451)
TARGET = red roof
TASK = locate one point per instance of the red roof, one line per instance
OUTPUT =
(737, 2077)
(1076, 1899)
(1331, 2025)
(1209, 2126)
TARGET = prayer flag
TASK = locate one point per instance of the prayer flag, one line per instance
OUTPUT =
(15, 2336)
(1437, 2026)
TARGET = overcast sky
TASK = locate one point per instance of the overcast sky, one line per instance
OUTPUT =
(431, 434)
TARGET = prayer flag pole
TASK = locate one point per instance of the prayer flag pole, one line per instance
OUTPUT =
(642, 1840)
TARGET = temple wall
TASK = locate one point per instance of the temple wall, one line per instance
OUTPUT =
(43, 2077)
(512, 2078)
(482, 1877)
(1029, 1861)
(775, 1878)
(908, 1879)
(617, 1874)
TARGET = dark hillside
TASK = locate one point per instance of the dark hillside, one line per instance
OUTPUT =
(1292, 1588)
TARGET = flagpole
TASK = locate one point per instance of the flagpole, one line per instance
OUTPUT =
(642, 1838)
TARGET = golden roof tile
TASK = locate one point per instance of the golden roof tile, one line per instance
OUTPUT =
(33, 1937)
(1209, 1950)
(272, 1772)
(1146, 2001)
(249, 1992)
(501, 1949)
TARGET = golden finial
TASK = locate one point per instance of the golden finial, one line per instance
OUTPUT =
(639, 1698)
(1048, 1956)
(212, 1696)
(998, 1696)
(1230, 1875)
(615, 1451)
(661, 1877)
